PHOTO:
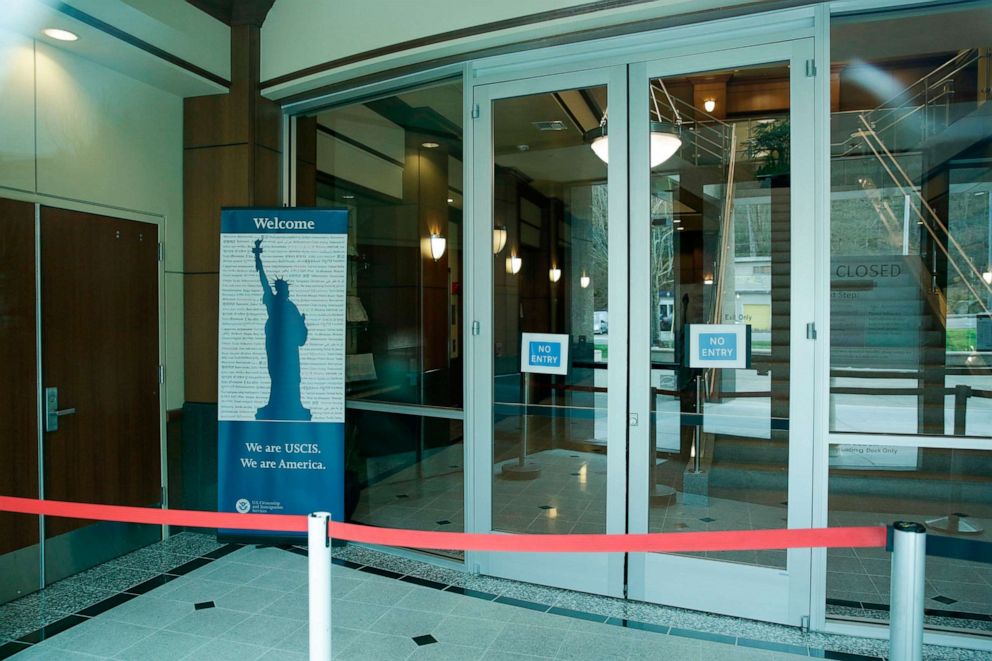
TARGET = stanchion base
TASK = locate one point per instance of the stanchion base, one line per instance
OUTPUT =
(516, 471)
(663, 496)
(955, 524)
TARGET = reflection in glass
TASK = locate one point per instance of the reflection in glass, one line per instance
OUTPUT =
(404, 471)
(911, 294)
(550, 209)
(395, 163)
(946, 489)
(721, 436)
(911, 177)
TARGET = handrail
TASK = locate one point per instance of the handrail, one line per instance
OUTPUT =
(906, 98)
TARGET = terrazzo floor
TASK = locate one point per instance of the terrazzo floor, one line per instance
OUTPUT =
(189, 597)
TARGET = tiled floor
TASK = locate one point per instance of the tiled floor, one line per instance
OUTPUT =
(569, 497)
(201, 600)
(958, 592)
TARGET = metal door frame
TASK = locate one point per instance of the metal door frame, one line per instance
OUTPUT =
(735, 589)
(600, 573)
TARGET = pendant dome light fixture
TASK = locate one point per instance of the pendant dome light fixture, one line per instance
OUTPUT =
(665, 136)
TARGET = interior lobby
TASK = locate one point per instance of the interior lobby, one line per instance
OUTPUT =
(812, 178)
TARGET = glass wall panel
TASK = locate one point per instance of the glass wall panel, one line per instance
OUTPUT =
(396, 163)
(550, 259)
(911, 291)
(948, 490)
(404, 471)
(911, 222)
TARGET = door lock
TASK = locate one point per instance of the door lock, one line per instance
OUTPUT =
(52, 410)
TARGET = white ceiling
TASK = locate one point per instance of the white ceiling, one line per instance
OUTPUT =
(30, 17)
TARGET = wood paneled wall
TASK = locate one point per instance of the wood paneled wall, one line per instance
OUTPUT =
(19, 385)
(231, 158)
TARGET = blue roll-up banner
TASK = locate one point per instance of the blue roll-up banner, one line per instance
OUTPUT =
(280, 401)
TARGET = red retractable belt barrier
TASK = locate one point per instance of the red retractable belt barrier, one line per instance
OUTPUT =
(735, 540)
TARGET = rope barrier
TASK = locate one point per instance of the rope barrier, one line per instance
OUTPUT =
(731, 540)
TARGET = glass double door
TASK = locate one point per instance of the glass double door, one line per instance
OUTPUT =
(620, 208)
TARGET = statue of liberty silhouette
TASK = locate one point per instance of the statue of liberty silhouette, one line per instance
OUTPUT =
(285, 333)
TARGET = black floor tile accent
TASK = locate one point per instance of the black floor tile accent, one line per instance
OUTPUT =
(10, 649)
(580, 615)
(703, 635)
(107, 604)
(957, 615)
(773, 646)
(443, 522)
(875, 607)
(844, 602)
(189, 566)
(469, 592)
(424, 640)
(642, 626)
(227, 549)
(203, 605)
(341, 562)
(510, 601)
(841, 656)
(416, 580)
(945, 600)
(52, 629)
(298, 551)
(150, 584)
(379, 572)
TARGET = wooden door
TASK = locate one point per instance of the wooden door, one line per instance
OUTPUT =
(99, 328)
(19, 385)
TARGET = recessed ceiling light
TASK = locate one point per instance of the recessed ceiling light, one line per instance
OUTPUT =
(429, 145)
(348, 196)
(450, 200)
(61, 35)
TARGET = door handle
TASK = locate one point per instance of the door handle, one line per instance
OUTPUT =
(52, 410)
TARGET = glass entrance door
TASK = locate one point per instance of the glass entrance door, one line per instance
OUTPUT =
(550, 390)
(721, 362)
(605, 253)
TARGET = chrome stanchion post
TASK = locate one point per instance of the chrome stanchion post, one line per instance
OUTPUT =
(319, 588)
(909, 556)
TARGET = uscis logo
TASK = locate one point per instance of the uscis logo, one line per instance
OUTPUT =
(242, 506)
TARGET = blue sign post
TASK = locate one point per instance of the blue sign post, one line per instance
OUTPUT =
(281, 362)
